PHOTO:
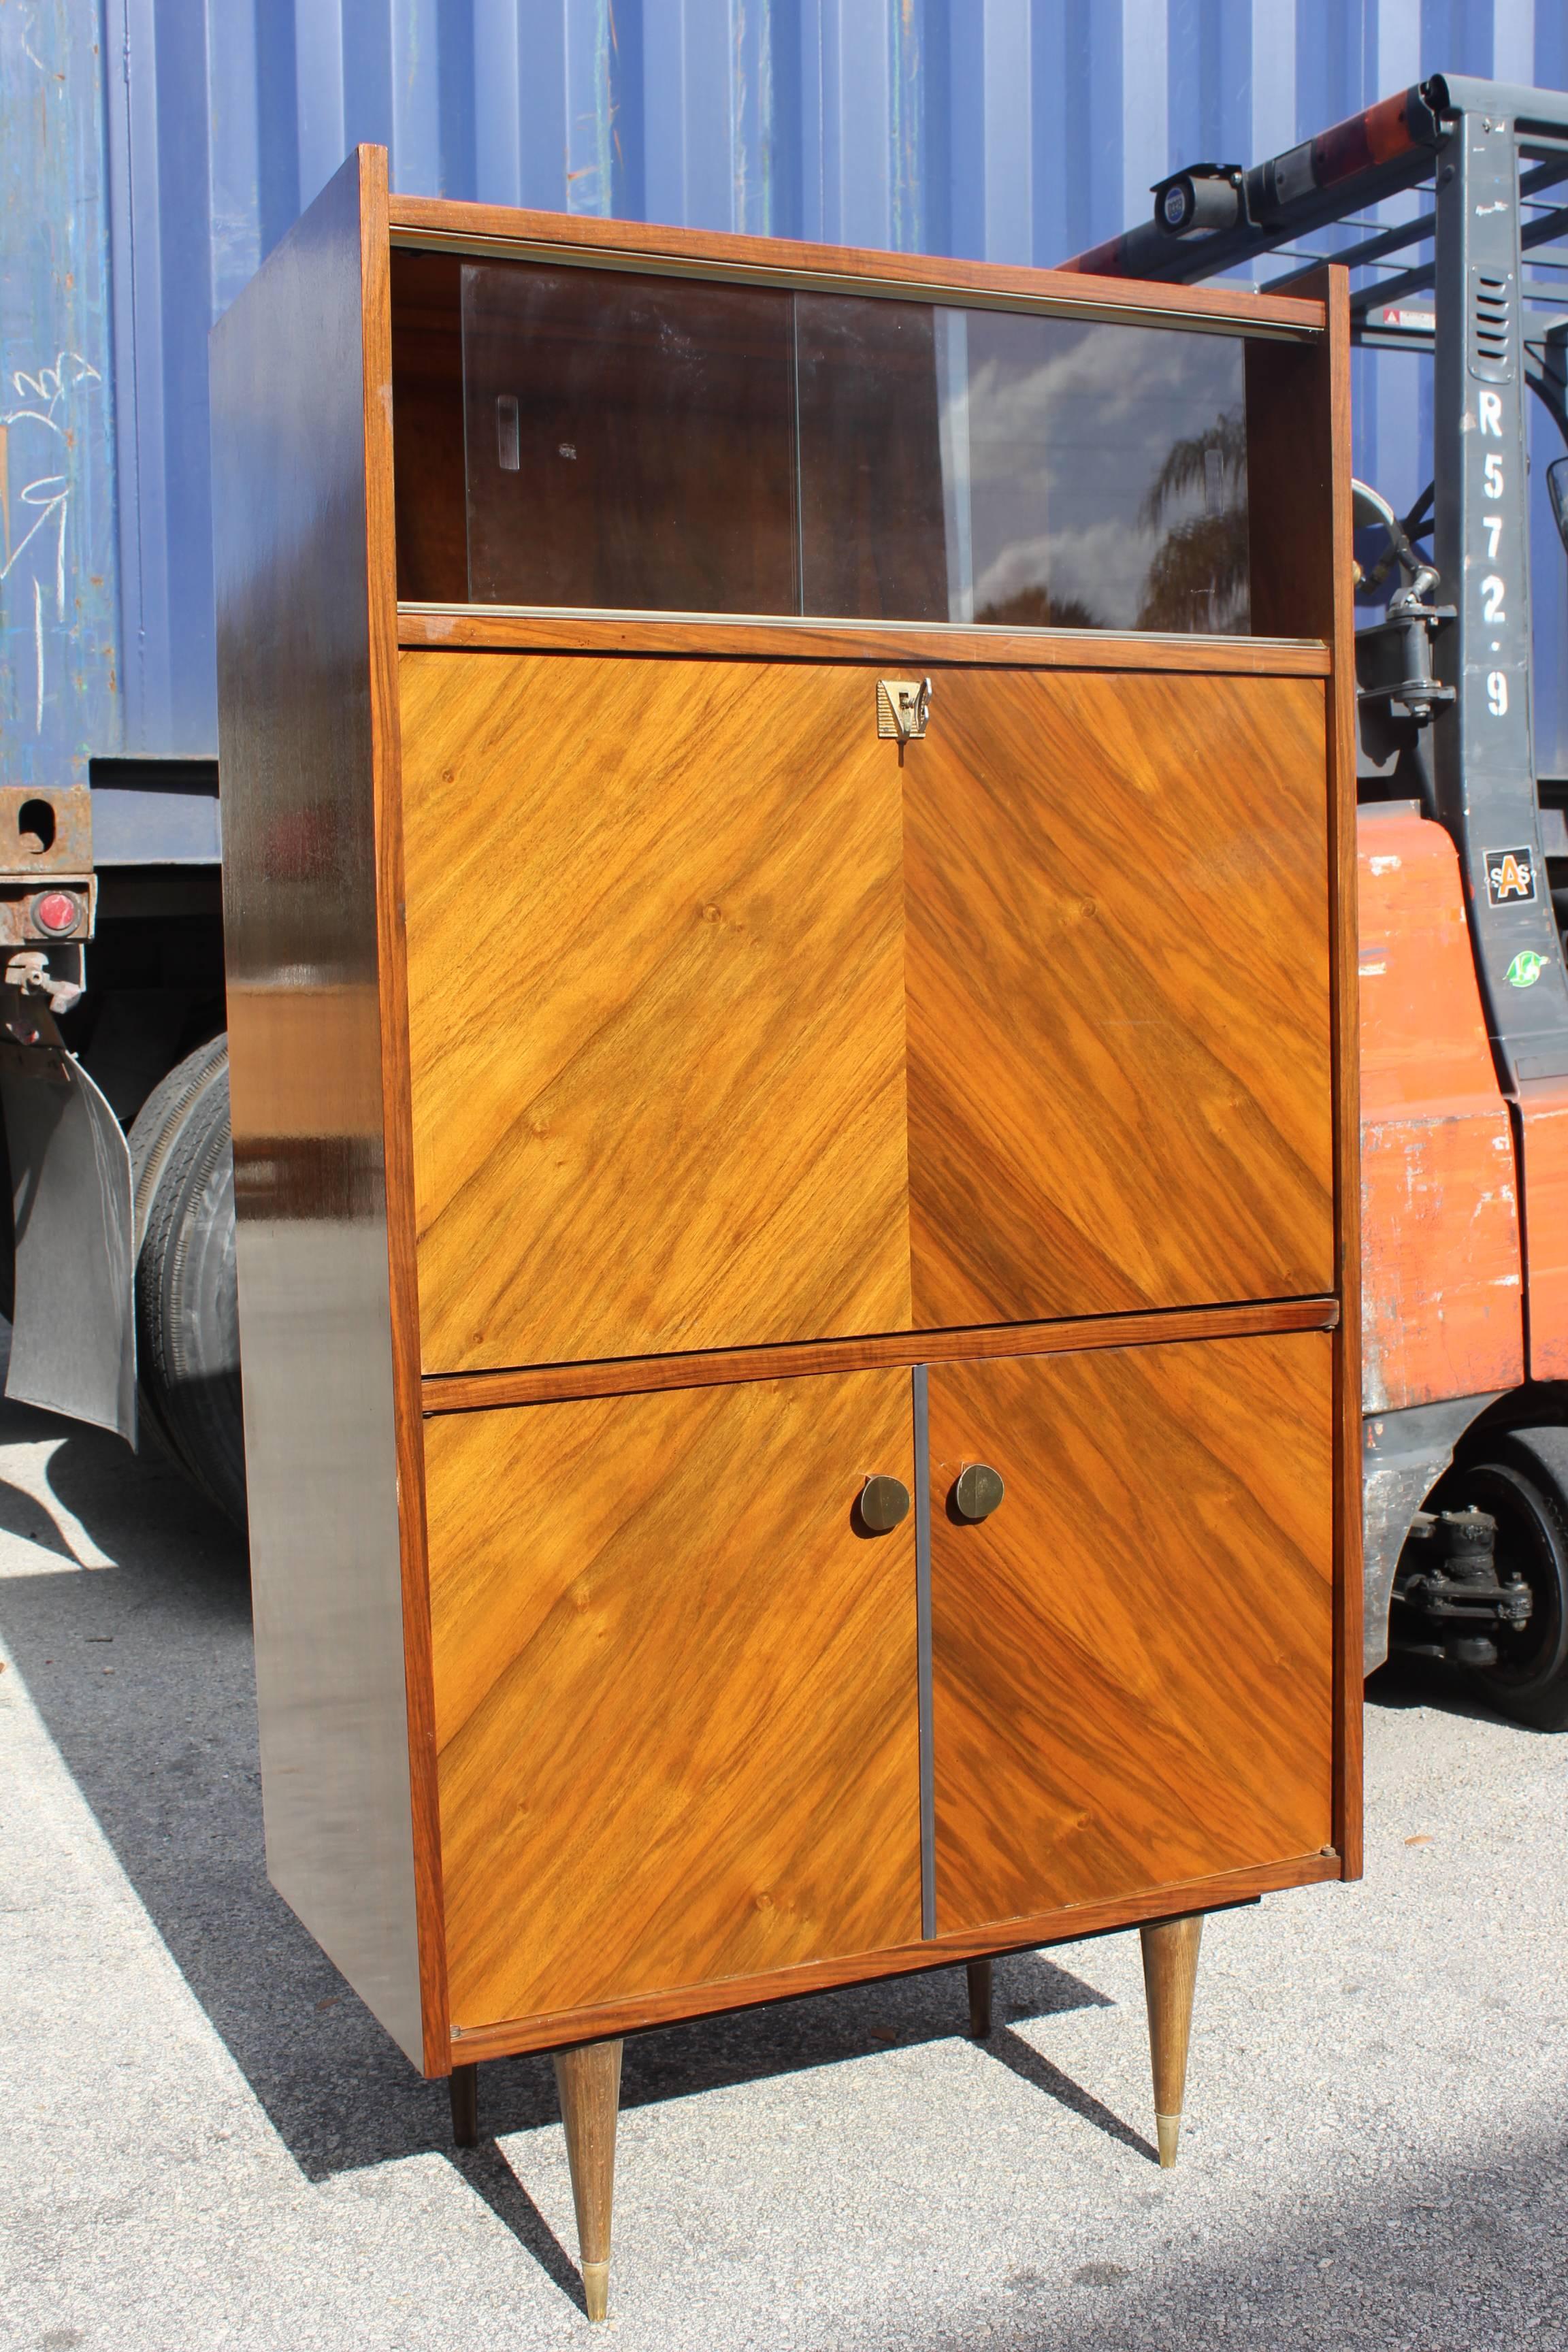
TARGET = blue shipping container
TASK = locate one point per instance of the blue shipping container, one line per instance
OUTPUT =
(153, 150)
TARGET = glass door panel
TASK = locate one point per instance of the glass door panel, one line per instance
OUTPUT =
(636, 442)
(630, 441)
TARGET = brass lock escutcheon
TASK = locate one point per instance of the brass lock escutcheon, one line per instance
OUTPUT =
(882, 1503)
(977, 1491)
(903, 707)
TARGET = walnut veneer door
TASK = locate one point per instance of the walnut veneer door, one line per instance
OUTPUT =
(1132, 1657)
(676, 1689)
(656, 1005)
(1118, 953)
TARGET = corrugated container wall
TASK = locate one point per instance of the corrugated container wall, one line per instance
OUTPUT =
(153, 150)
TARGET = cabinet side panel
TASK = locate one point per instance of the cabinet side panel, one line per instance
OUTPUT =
(1335, 429)
(297, 741)
(1298, 473)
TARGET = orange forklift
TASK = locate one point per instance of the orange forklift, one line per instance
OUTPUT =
(1463, 855)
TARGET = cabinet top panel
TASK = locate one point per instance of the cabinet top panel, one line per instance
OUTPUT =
(790, 261)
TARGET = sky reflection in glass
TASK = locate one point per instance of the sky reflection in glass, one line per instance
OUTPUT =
(647, 444)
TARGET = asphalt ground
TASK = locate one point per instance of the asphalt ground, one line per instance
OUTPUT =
(205, 2141)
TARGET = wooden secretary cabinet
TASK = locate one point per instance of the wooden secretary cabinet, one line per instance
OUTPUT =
(763, 986)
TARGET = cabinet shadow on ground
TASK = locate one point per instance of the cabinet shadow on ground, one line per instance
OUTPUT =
(142, 1672)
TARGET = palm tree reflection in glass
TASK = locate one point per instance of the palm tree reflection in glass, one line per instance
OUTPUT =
(1198, 574)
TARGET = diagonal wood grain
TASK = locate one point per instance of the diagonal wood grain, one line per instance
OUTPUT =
(1118, 956)
(655, 1007)
(1133, 1657)
(675, 1690)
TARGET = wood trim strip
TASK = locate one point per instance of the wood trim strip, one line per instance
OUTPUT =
(636, 1375)
(503, 628)
(514, 2036)
(1332, 284)
(397, 1115)
(925, 1703)
(789, 261)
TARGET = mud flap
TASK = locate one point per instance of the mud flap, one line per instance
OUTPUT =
(73, 1348)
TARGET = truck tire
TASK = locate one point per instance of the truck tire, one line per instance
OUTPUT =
(1521, 1476)
(187, 1323)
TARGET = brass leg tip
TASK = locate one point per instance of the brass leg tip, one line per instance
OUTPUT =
(596, 2289)
(1168, 2131)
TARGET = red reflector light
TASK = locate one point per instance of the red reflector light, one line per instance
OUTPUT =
(57, 911)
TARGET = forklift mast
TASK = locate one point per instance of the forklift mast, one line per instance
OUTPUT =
(1465, 1372)
(1483, 154)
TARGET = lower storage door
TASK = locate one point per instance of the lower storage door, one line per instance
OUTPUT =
(676, 1689)
(1133, 1653)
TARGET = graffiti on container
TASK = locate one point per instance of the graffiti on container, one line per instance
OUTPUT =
(43, 503)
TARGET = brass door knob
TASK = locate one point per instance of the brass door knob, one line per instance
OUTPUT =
(978, 1491)
(882, 1503)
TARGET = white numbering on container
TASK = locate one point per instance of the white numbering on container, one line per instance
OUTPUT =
(1492, 525)
(1492, 593)
(1491, 476)
(1497, 693)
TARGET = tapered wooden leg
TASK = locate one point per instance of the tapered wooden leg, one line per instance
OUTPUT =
(980, 2000)
(464, 2086)
(1170, 1977)
(589, 2082)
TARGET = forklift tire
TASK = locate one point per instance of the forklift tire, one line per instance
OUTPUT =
(187, 1323)
(1521, 1476)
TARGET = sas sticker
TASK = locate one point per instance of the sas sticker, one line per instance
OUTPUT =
(1526, 969)
(1511, 877)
